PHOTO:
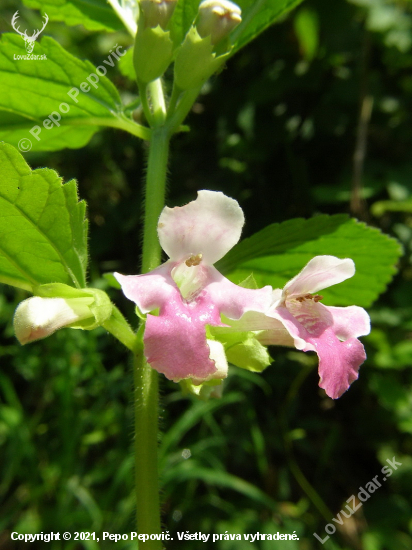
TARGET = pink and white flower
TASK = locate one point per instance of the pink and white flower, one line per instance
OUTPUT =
(189, 292)
(330, 331)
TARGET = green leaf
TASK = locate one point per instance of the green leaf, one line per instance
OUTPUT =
(126, 66)
(95, 15)
(183, 18)
(33, 90)
(257, 15)
(43, 230)
(278, 252)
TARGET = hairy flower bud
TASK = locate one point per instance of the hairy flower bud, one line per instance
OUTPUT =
(217, 18)
(157, 12)
(37, 317)
(58, 305)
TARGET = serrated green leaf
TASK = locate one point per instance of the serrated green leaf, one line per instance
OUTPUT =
(31, 91)
(94, 15)
(278, 252)
(43, 230)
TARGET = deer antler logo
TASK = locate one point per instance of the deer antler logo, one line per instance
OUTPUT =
(28, 40)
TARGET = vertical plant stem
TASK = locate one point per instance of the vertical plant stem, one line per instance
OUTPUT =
(155, 196)
(146, 471)
(146, 378)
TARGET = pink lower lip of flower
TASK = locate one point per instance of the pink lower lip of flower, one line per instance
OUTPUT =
(331, 332)
(339, 361)
(175, 340)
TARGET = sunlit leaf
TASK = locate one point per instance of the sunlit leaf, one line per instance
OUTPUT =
(43, 231)
(257, 15)
(278, 252)
(95, 15)
(54, 103)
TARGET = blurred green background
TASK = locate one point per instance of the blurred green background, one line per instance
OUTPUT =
(283, 130)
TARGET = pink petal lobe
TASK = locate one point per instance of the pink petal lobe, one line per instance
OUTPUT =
(151, 290)
(233, 300)
(210, 225)
(321, 272)
(339, 362)
(175, 341)
(349, 322)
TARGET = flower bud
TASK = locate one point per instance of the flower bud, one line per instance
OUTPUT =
(157, 12)
(37, 317)
(57, 305)
(217, 18)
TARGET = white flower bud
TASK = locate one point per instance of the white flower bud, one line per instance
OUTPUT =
(157, 12)
(217, 18)
(37, 317)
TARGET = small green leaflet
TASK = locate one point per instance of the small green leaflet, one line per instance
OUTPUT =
(43, 230)
(278, 252)
(31, 91)
(257, 15)
(95, 15)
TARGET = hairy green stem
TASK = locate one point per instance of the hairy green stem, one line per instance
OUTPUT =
(146, 468)
(146, 378)
(155, 196)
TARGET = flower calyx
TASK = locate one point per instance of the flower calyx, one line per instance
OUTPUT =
(206, 46)
(153, 48)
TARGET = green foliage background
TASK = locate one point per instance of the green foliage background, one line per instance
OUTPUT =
(277, 130)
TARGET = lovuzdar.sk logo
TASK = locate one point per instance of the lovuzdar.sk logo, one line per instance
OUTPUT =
(29, 41)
